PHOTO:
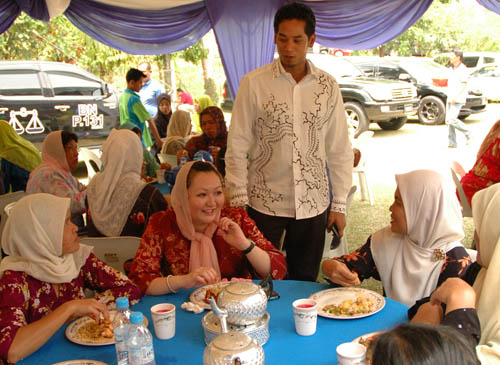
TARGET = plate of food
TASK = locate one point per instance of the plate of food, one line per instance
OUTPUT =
(86, 331)
(150, 180)
(366, 340)
(201, 295)
(348, 303)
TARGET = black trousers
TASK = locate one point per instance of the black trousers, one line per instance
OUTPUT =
(304, 241)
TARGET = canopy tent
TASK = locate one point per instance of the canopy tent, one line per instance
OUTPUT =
(243, 29)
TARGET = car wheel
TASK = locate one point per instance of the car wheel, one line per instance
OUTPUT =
(393, 124)
(356, 117)
(431, 110)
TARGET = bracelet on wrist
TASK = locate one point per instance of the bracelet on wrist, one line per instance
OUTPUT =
(247, 250)
(168, 285)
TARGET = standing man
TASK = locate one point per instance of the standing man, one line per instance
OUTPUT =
(288, 122)
(457, 96)
(150, 91)
(132, 110)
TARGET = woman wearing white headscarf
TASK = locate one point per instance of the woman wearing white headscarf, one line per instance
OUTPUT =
(419, 250)
(178, 132)
(120, 203)
(42, 280)
(53, 176)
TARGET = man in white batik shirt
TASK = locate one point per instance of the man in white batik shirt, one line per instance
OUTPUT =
(288, 123)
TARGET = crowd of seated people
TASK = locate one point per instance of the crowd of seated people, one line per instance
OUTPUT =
(199, 239)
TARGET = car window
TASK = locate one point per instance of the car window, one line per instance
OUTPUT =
(388, 72)
(489, 60)
(65, 83)
(16, 83)
(470, 61)
(336, 66)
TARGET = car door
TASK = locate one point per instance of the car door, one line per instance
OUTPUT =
(82, 105)
(25, 102)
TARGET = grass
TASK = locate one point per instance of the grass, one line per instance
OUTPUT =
(364, 219)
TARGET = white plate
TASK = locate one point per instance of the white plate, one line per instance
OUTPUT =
(80, 362)
(337, 295)
(367, 335)
(198, 296)
(72, 333)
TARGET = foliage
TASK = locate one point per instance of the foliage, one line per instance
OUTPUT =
(194, 54)
(211, 90)
(446, 25)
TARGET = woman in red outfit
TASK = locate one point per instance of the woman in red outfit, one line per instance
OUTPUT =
(486, 170)
(200, 241)
(42, 280)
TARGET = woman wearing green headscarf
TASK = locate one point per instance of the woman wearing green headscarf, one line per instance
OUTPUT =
(18, 158)
(200, 104)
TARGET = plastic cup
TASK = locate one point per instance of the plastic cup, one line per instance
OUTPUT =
(351, 353)
(160, 175)
(163, 316)
(305, 314)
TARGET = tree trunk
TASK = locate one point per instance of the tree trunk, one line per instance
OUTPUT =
(204, 65)
(168, 76)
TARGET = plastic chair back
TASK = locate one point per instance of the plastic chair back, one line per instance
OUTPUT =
(466, 208)
(92, 161)
(5, 202)
(114, 251)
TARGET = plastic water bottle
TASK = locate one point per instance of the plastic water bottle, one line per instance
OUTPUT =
(183, 161)
(139, 342)
(121, 326)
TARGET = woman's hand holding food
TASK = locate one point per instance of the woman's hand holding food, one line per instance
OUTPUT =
(198, 277)
(339, 273)
(88, 307)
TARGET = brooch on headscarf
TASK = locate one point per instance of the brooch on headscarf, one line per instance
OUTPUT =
(438, 255)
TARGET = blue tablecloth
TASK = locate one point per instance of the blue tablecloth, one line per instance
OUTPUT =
(284, 345)
(164, 188)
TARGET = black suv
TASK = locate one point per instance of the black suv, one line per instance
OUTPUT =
(366, 99)
(38, 97)
(429, 77)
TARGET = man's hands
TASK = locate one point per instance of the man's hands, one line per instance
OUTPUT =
(338, 219)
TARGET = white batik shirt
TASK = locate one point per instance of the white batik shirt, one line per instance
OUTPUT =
(282, 133)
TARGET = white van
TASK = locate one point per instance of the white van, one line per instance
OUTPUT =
(473, 60)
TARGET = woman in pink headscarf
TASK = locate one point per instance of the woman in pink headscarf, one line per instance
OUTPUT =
(53, 176)
(199, 241)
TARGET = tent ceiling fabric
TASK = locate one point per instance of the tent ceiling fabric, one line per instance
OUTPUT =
(244, 29)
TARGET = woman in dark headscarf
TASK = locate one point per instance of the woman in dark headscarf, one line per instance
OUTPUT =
(214, 133)
(162, 117)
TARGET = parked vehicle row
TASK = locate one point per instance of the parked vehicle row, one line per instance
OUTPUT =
(38, 97)
(429, 78)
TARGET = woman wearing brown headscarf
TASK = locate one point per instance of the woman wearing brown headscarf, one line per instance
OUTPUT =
(214, 133)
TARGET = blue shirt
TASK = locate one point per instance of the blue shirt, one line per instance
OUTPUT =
(149, 96)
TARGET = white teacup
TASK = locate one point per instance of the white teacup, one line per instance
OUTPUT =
(351, 353)
(160, 175)
(163, 320)
(305, 314)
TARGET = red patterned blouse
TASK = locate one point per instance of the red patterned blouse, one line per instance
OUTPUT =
(164, 250)
(486, 171)
(24, 299)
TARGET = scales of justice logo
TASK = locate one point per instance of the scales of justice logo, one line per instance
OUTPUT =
(34, 126)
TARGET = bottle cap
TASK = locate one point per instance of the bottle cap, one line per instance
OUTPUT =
(122, 303)
(136, 318)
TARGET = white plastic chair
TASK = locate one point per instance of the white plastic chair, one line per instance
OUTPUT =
(170, 159)
(5, 201)
(92, 161)
(342, 249)
(456, 170)
(114, 251)
(363, 140)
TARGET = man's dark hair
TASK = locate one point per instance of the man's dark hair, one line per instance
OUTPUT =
(134, 74)
(179, 89)
(148, 65)
(459, 53)
(296, 11)
(67, 137)
(420, 344)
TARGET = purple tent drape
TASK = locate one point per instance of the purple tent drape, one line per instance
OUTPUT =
(141, 31)
(493, 5)
(243, 28)
(244, 33)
